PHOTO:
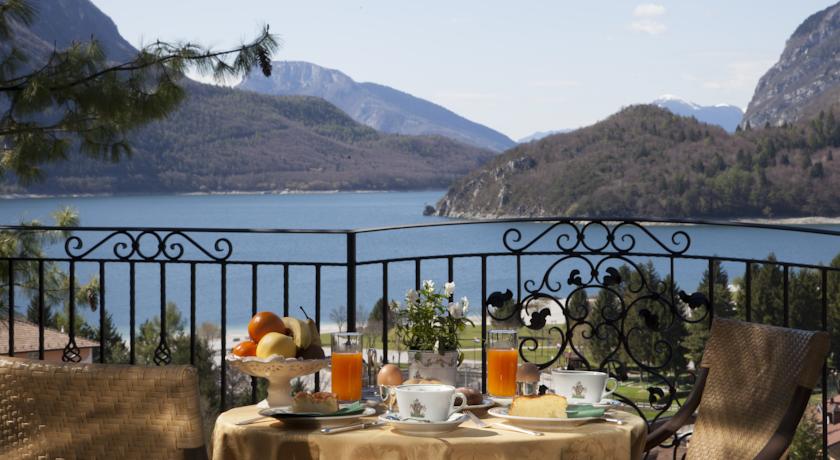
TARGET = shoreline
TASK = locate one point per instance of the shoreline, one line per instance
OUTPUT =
(41, 196)
(802, 220)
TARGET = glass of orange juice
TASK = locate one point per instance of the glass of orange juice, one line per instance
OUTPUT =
(346, 357)
(502, 359)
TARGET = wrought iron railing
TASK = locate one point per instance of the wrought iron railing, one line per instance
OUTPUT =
(634, 330)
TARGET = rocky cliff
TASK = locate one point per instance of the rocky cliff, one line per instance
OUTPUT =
(806, 79)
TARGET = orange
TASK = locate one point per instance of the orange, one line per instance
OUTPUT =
(245, 348)
(264, 322)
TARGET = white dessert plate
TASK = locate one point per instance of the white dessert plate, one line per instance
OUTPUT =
(423, 428)
(285, 414)
(538, 423)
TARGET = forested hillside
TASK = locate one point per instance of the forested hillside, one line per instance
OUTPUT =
(223, 139)
(646, 161)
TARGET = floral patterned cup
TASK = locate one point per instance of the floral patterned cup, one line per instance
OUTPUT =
(582, 386)
(429, 402)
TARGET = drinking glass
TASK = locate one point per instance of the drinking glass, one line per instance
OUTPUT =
(502, 359)
(346, 357)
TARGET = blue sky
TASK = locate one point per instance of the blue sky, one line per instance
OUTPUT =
(516, 66)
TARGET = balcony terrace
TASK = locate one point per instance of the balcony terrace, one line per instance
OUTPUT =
(632, 297)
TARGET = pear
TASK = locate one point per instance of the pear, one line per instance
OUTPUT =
(313, 331)
(313, 352)
(300, 332)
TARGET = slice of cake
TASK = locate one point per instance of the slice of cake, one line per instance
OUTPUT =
(321, 402)
(545, 406)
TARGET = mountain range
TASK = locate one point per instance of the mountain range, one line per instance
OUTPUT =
(541, 134)
(378, 106)
(724, 115)
(223, 139)
(647, 161)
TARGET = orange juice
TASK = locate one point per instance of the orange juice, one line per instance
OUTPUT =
(347, 376)
(501, 371)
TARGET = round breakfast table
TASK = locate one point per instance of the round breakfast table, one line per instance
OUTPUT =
(270, 439)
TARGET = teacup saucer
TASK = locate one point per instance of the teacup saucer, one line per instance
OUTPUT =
(423, 428)
(607, 403)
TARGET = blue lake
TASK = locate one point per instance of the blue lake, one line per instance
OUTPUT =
(347, 211)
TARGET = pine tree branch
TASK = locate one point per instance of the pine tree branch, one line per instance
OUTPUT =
(266, 40)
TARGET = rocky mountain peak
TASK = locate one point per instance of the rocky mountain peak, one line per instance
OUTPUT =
(378, 106)
(806, 79)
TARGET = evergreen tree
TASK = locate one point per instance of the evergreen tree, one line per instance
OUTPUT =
(577, 305)
(676, 332)
(178, 340)
(724, 307)
(767, 295)
(93, 103)
(605, 315)
(805, 299)
(833, 298)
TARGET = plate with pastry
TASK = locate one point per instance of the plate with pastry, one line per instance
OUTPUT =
(546, 412)
(319, 409)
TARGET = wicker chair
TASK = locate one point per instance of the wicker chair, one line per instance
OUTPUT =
(97, 411)
(751, 391)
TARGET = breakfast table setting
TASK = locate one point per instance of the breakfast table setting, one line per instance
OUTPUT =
(424, 416)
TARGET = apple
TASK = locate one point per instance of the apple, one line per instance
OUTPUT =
(275, 343)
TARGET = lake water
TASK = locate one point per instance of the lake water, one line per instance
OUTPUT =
(352, 210)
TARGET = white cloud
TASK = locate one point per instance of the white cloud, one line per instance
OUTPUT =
(647, 10)
(648, 19)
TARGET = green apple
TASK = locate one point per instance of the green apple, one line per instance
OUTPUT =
(275, 343)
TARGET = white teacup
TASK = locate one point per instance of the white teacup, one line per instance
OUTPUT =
(582, 386)
(431, 402)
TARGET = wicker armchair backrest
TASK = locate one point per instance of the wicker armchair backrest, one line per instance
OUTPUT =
(87, 411)
(754, 370)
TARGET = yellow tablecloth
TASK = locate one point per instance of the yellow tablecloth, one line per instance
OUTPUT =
(270, 440)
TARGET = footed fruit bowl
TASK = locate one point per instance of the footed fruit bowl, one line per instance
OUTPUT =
(279, 371)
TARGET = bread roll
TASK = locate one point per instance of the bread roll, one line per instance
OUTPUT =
(474, 397)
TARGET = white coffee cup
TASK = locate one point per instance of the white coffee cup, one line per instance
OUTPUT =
(431, 402)
(582, 386)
